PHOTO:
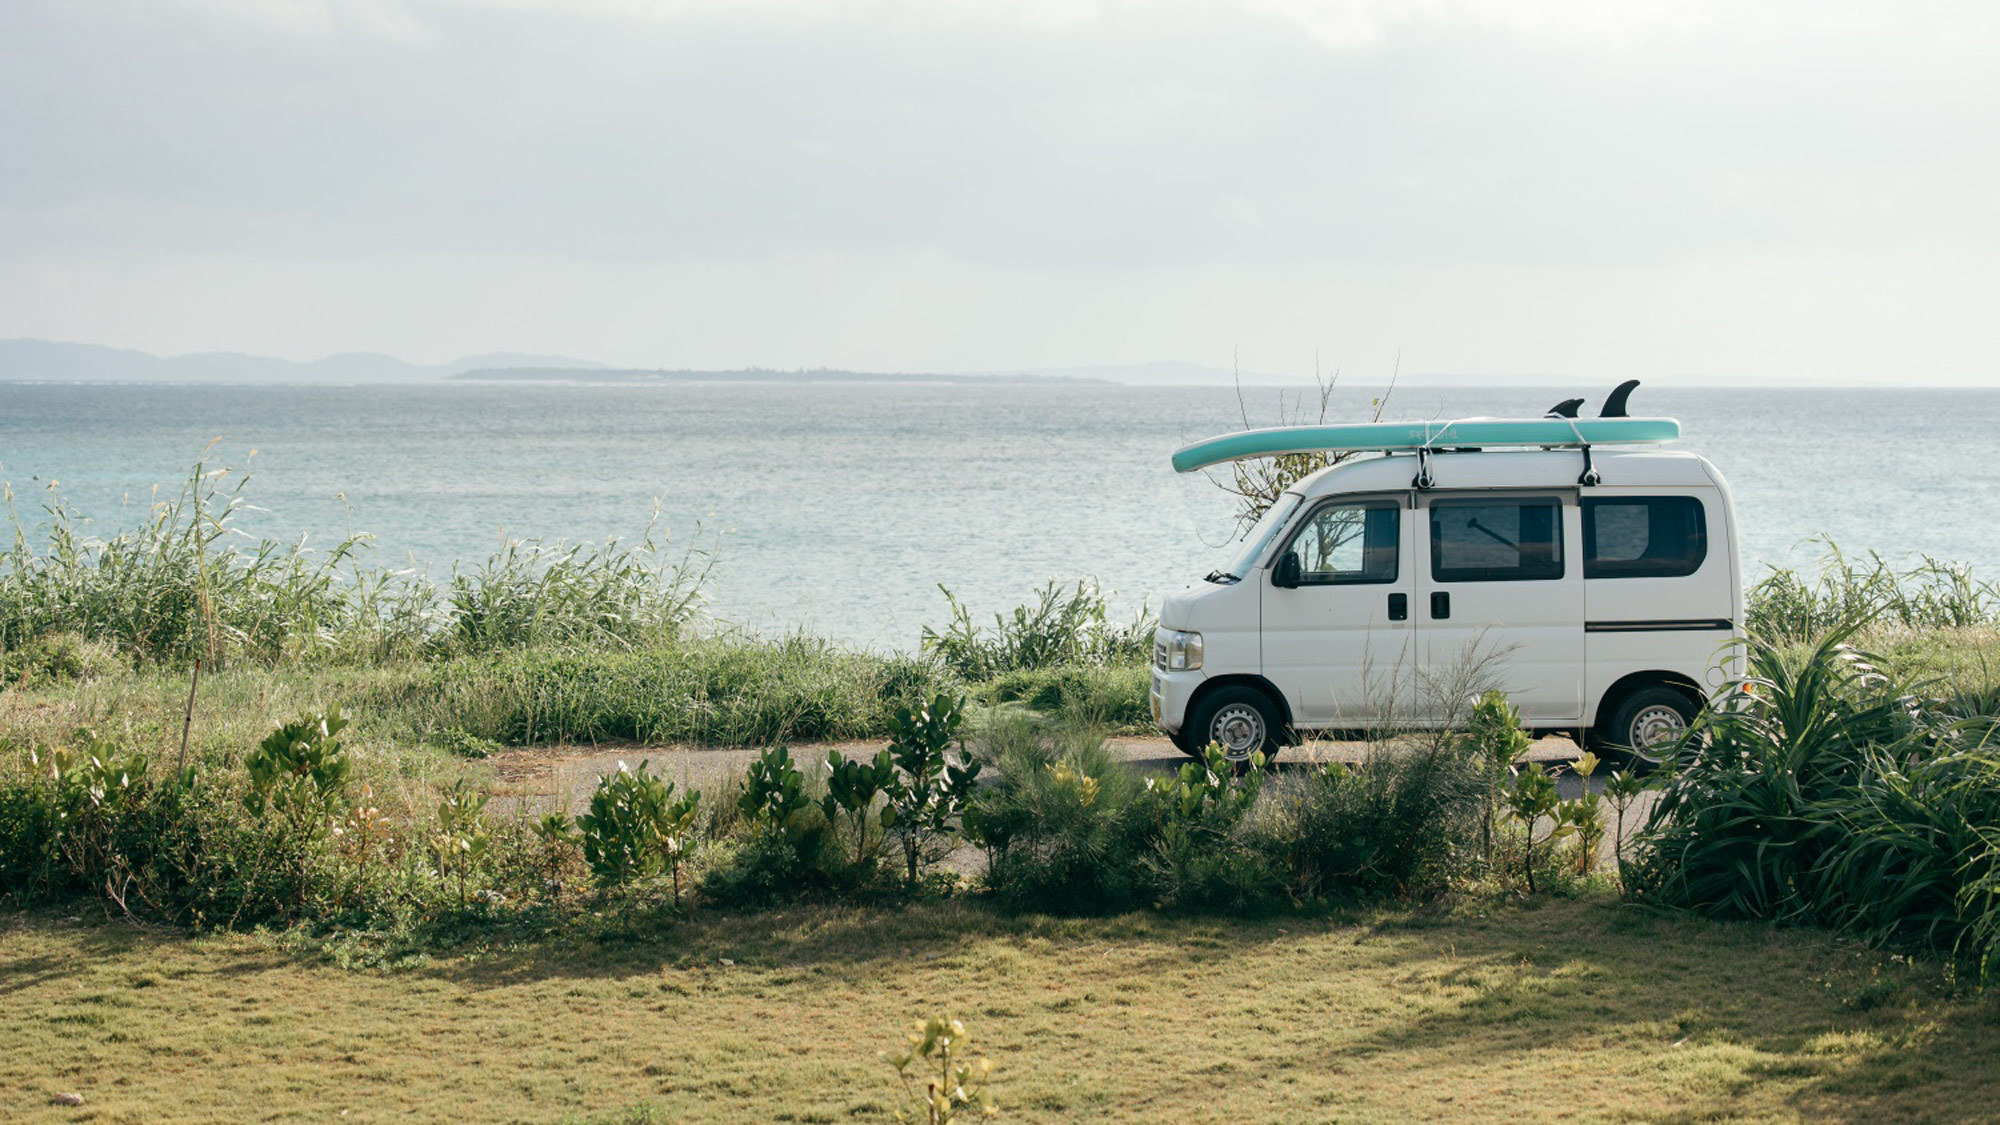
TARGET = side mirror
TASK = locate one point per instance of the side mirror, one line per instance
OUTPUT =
(1287, 574)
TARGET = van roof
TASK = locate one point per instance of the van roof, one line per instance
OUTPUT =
(1514, 468)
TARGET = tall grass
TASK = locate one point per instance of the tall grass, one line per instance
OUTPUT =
(1789, 607)
(714, 691)
(187, 584)
(1062, 626)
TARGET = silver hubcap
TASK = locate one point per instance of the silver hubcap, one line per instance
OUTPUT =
(1240, 729)
(1656, 729)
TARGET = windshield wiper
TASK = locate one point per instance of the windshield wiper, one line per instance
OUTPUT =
(1220, 577)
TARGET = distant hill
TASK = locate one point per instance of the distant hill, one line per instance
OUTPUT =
(53, 361)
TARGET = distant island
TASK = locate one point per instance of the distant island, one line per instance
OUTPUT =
(744, 375)
(56, 361)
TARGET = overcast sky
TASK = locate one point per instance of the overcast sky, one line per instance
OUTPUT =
(1790, 190)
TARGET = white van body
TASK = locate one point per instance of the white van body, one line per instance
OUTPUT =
(1606, 609)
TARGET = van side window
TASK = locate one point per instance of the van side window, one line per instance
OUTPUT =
(1496, 540)
(1349, 543)
(1643, 536)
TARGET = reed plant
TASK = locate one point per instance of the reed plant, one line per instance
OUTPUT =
(1788, 607)
(187, 584)
(1063, 626)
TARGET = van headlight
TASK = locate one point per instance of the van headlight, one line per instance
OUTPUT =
(1183, 651)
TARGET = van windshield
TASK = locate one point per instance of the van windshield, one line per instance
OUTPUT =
(1259, 537)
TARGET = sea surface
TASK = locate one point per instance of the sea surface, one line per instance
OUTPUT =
(841, 508)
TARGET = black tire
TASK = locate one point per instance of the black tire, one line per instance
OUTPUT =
(1647, 725)
(1241, 718)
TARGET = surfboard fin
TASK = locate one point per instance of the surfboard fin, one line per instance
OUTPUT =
(1614, 403)
(1567, 408)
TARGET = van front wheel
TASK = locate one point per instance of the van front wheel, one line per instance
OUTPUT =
(1239, 718)
(1649, 724)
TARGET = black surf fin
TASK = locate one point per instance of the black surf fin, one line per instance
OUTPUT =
(1614, 403)
(1567, 408)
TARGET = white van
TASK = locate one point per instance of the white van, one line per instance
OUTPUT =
(1600, 608)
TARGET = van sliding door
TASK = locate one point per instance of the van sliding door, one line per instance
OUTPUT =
(1500, 601)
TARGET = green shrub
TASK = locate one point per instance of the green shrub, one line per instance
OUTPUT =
(1395, 825)
(300, 770)
(790, 846)
(636, 827)
(856, 799)
(1831, 795)
(1201, 859)
(1494, 741)
(54, 658)
(460, 842)
(773, 790)
(933, 786)
(1532, 799)
(940, 1082)
(184, 849)
(1064, 829)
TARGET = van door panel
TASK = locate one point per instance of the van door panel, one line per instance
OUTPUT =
(1338, 644)
(1501, 579)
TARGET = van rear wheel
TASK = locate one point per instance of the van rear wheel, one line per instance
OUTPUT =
(1648, 725)
(1239, 718)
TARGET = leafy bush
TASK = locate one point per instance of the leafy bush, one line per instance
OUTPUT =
(98, 821)
(1532, 799)
(1200, 858)
(301, 769)
(1494, 741)
(773, 790)
(933, 786)
(791, 848)
(853, 790)
(636, 827)
(460, 842)
(1062, 626)
(940, 1082)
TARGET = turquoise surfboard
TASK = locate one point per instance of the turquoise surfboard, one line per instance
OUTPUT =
(1404, 436)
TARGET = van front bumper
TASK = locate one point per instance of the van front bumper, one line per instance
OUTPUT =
(1169, 697)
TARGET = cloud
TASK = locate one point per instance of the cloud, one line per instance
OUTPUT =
(1085, 144)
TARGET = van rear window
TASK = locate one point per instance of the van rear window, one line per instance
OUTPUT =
(1643, 536)
(1496, 540)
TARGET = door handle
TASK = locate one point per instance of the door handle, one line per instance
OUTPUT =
(1399, 607)
(1440, 604)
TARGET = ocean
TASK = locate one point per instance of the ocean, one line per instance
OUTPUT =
(841, 508)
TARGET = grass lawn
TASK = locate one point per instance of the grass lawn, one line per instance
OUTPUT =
(1577, 1010)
